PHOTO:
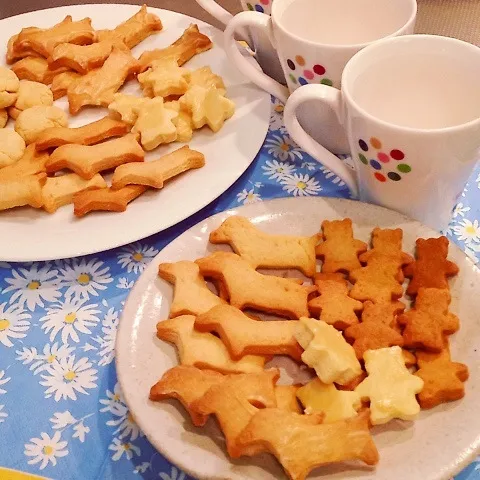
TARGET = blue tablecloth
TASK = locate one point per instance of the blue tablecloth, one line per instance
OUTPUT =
(62, 414)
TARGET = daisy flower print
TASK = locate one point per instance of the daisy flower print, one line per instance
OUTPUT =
(84, 278)
(64, 378)
(70, 318)
(14, 324)
(136, 257)
(46, 449)
(282, 147)
(276, 170)
(32, 287)
(248, 196)
(301, 185)
(467, 231)
(120, 448)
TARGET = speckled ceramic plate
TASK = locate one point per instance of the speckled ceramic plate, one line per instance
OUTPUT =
(30, 234)
(439, 444)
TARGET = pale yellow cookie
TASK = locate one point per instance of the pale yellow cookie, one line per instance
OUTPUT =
(30, 94)
(327, 352)
(207, 106)
(183, 122)
(390, 387)
(164, 78)
(33, 121)
(155, 124)
(8, 87)
(127, 106)
(318, 397)
(204, 77)
(12, 147)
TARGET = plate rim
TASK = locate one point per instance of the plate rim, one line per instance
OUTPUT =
(32, 257)
(122, 329)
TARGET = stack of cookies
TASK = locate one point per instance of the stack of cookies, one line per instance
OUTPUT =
(44, 163)
(371, 361)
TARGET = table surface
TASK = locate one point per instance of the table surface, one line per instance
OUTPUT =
(60, 402)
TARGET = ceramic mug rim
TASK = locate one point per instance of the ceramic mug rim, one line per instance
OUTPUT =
(404, 27)
(357, 59)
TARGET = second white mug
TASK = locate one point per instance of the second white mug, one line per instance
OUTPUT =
(314, 40)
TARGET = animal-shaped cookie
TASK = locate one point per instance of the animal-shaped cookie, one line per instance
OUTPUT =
(232, 402)
(390, 387)
(242, 335)
(191, 43)
(443, 379)
(427, 323)
(264, 250)
(204, 350)
(303, 442)
(191, 296)
(334, 306)
(186, 384)
(339, 250)
(327, 351)
(318, 397)
(431, 269)
(248, 288)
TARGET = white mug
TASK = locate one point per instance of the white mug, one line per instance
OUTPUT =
(411, 109)
(265, 54)
(314, 40)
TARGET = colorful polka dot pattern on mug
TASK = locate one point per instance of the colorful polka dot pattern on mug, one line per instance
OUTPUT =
(386, 166)
(300, 74)
(262, 6)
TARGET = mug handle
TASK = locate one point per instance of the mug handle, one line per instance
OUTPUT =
(255, 20)
(223, 16)
(333, 98)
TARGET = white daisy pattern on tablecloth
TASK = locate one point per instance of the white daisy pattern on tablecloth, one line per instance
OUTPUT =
(80, 431)
(70, 318)
(473, 251)
(14, 323)
(65, 377)
(175, 474)
(119, 448)
(84, 278)
(114, 401)
(50, 354)
(3, 381)
(276, 170)
(460, 210)
(248, 196)
(283, 148)
(126, 426)
(329, 175)
(124, 284)
(32, 287)
(467, 231)
(142, 468)
(301, 185)
(106, 342)
(136, 257)
(276, 116)
(60, 420)
(46, 449)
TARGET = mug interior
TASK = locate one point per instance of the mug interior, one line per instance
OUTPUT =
(421, 81)
(343, 22)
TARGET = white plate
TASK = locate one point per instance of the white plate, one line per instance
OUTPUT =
(29, 234)
(438, 445)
